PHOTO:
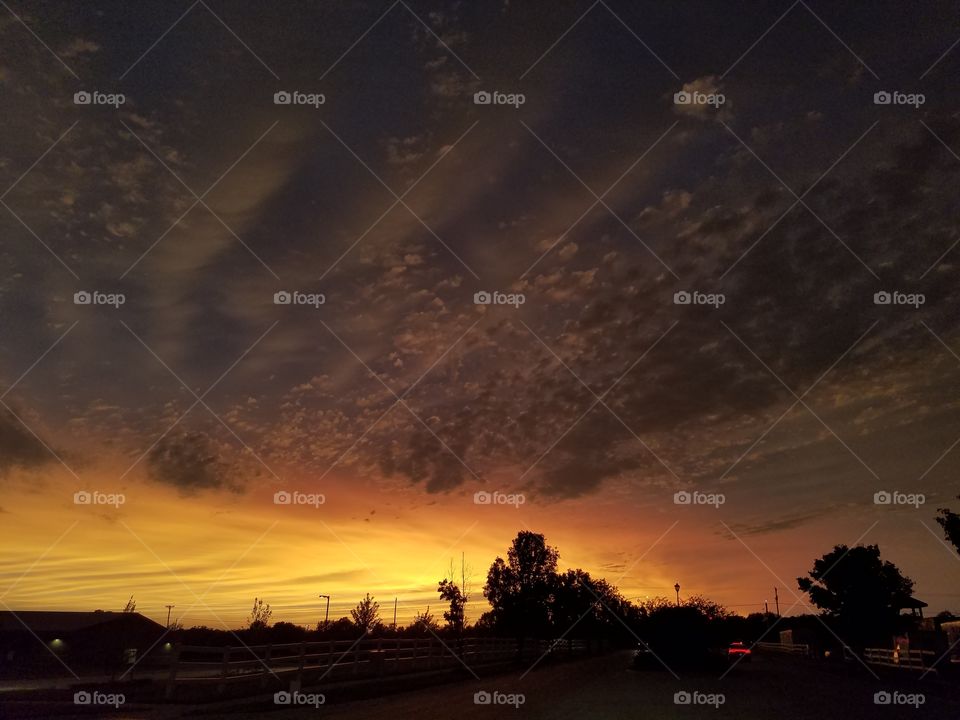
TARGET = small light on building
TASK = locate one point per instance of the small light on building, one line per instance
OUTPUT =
(56, 642)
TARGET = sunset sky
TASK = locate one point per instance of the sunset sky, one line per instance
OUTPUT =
(398, 198)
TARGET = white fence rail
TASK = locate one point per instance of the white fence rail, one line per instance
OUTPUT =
(911, 659)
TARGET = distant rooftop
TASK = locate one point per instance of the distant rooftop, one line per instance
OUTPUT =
(57, 621)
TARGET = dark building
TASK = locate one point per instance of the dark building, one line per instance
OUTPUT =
(102, 642)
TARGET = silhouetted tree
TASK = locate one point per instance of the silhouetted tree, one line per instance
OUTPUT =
(950, 522)
(858, 590)
(366, 615)
(451, 593)
(425, 623)
(586, 604)
(260, 615)
(520, 589)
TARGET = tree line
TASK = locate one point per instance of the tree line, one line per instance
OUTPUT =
(859, 596)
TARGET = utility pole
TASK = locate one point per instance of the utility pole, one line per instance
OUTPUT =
(169, 608)
(394, 613)
(766, 608)
(776, 598)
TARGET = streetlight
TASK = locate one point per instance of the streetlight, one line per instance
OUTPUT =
(677, 589)
(326, 615)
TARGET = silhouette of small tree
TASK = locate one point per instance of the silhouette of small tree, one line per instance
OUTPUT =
(950, 522)
(260, 615)
(455, 616)
(425, 622)
(366, 615)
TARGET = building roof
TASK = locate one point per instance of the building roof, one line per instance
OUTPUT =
(911, 603)
(61, 621)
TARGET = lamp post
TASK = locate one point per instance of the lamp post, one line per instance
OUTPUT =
(677, 589)
(326, 614)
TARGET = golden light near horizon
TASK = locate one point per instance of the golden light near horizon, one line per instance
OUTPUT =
(267, 336)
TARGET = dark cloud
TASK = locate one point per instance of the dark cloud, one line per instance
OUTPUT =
(19, 448)
(192, 462)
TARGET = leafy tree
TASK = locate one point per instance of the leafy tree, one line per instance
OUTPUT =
(260, 615)
(950, 522)
(859, 591)
(586, 604)
(425, 623)
(366, 615)
(520, 589)
(455, 616)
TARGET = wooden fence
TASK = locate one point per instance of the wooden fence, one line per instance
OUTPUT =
(294, 664)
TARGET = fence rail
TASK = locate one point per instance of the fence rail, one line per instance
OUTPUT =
(297, 663)
(792, 648)
(909, 659)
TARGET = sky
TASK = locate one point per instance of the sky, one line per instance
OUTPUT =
(384, 198)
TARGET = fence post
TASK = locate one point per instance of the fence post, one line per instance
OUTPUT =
(266, 666)
(303, 658)
(225, 667)
(172, 678)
